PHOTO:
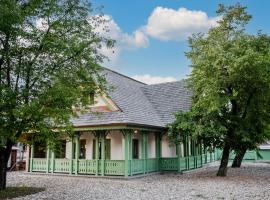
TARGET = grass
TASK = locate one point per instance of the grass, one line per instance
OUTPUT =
(13, 192)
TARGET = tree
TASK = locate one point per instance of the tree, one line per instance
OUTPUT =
(230, 80)
(49, 55)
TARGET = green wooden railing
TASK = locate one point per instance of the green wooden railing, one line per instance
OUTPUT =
(61, 165)
(87, 166)
(114, 167)
(168, 164)
(117, 167)
(137, 166)
(39, 164)
(152, 164)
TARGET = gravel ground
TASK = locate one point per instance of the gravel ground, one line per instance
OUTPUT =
(251, 181)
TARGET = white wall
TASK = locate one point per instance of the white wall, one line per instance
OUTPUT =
(151, 145)
(167, 149)
(117, 152)
(118, 145)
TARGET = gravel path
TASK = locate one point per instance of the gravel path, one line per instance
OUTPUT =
(252, 181)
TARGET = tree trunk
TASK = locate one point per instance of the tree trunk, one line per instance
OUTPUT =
(222, 171)
(237, 161)
(4, 156)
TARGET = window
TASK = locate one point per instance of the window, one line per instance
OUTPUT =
(40, 150)
(60, 151)
(107, 149)
(82, 149)
(135, 146)
(91, 98)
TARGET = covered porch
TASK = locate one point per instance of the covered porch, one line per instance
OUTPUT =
(118, 151)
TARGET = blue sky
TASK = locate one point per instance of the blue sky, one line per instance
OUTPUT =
(151, 49)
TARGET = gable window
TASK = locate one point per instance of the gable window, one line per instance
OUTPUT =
(92, 98)
(135, 149)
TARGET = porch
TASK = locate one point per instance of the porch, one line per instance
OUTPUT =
(124, 152)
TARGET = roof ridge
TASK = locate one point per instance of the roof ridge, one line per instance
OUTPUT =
(123, 75)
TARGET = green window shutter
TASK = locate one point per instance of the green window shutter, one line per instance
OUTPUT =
(94, 149)
(108, 149)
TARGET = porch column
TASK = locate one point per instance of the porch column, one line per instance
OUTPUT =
(102, 137)
(178, 157)
(127, 139)
(52, 161)
(71, 155)
(31, 157)
(187, 151)
(97, 150)
(144, 150)
(158, 148)
(48, 158)
(77, 153)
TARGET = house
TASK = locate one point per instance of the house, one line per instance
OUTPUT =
(17, 157)
(126, 136)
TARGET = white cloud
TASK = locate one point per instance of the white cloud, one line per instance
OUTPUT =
(149, 79)
(169, 24)
(124, 41)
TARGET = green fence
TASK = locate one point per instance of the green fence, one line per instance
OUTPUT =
(168, 164)
(114, 167)
(117, 167)
(137, 166)
(39, 164)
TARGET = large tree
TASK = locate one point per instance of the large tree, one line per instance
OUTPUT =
(230, 80)
(49, 60)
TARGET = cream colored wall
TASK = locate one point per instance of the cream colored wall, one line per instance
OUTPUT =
(167, 149)
(151, 145)
(99, 101)
(117, 152)
(88, 136)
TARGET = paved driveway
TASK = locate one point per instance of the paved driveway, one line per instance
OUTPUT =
(252, 181)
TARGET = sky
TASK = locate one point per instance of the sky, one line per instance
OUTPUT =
(151, 35)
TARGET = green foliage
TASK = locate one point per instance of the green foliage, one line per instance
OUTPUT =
(230, 81)
(49, 55)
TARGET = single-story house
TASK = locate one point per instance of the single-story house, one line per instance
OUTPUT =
(126, 135)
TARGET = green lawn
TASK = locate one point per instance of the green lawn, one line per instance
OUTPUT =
(13, 192)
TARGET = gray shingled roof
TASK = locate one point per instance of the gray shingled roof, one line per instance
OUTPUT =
(140, 104)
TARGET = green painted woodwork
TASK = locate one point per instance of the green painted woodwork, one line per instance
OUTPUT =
(265, 153)
(71, 155)
(152, 164)
(128, 154)
(77, 152)
(61, 165)
(102, 138)
(97, 152)
(144, 150)
(178, 157)
(117, 167)
(137, 166)
(31, 158)
(114, 167)
(48, 159)
(158, 139)
(87, 166)
(121, 127)
(39, 165)
(52, 163)
(168, 164)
